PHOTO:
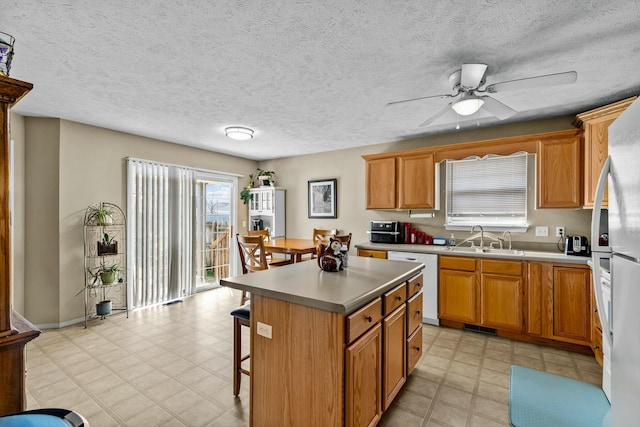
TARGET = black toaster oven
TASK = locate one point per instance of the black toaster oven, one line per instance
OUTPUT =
(385, 232)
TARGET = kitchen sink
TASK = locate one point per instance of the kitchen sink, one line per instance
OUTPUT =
(479, 250)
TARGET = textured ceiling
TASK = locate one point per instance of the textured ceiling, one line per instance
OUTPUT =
(309, 75)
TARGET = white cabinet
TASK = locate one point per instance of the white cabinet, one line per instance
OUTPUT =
(267, 208)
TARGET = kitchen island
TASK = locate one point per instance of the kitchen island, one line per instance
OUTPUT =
(317, 340)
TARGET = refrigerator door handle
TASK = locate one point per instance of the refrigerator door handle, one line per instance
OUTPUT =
(597, 208)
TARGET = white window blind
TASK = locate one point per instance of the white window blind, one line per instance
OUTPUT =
(488, 191)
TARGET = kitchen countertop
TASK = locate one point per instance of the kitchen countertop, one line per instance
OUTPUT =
(516, 254)
(340, 292)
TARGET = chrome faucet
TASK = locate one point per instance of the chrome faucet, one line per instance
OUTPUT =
(507, 233)
(481, 234)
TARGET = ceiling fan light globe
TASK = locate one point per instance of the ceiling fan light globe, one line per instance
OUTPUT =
(467, 106)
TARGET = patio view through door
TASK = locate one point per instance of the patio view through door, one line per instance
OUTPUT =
(215, 211)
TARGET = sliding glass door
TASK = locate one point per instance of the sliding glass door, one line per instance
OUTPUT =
(215, 213)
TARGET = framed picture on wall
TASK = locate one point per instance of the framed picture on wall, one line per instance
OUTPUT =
(323, 198)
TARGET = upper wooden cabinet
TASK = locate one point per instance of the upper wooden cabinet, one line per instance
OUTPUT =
(405, 181)
(559, 178)
(596, 141)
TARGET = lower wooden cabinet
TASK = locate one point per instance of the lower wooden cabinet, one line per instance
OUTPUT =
(457, 290)
(502, 295)
(372, 253)
(572, 305)
(394, 332)
(363, 391)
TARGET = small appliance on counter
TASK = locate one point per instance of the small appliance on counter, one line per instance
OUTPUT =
(385, 232)
(577, 245)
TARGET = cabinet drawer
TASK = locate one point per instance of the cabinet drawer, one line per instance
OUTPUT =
(360, 321)
(414, 313)
(501, 267)
(372, 253)
(395, 298)
(414, 349)
(597, 345)
(414, 286)
(457, 263)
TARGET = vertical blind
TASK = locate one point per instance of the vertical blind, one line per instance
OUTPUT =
(160, 212)
(488, 191)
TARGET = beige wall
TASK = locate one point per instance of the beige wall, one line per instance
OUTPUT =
(18, 212)
(71, 166)
(348, 167)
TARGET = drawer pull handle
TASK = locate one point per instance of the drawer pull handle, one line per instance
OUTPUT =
(418, 285)
(417, 311)
(417, 348)
(369, 319)
(596, 347)
(399, 298)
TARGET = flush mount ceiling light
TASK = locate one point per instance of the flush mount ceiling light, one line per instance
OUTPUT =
(467, 105)
(239, 133)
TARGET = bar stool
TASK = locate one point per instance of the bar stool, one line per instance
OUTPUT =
(252, 258)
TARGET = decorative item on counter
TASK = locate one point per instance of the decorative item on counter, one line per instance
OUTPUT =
(452, 240)
(330, 256)
(421, 238)
(441, 241)
(407, 232)
(414, 235)
(6, 53)
(428, 239)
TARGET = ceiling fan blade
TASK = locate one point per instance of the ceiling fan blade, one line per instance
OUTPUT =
(472, 75)
(497, 108)
(417, 99)
(437, 114)
(534, 82)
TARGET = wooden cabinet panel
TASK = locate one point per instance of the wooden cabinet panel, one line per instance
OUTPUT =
(394, 332)
(363, 319)
(416, 182)
(394, 299)
(596, 143)
(414, 286)
(534, 298)
(372, 253)
(501, 298)
(498, 266)
(559, 173)
(597, 345)
(457, 295)
(572, 305)
(414, 350)
(457, 263)
(363, 406)
(381, 183)
(414, 313)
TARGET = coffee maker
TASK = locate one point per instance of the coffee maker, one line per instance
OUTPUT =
(258, 224)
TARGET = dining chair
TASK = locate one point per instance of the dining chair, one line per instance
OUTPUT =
(266, 235)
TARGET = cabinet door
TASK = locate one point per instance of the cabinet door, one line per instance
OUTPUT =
(381, 183)
(414, 349)
(394, 332)
(501, 300)
(457, 296)
(596, 150)
(364, 380)
(416, 182)
(559, 174)
(572, 305)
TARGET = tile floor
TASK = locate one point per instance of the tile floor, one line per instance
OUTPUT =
(171, 366)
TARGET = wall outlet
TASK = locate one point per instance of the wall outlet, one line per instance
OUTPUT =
(264, 330)
(244, 224)
(559, 231)
(542, 231)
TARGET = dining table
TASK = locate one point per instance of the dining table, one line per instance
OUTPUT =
(290, 246)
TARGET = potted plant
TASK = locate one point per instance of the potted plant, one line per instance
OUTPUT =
(107, 275)
(108, 246)
(246, 195)
(265, 177)
(102, 215)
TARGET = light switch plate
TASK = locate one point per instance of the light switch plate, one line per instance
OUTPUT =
(542, 231)
(264, 330)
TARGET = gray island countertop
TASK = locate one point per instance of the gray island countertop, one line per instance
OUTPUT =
(340, 292)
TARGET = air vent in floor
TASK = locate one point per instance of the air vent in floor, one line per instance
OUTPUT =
(481, 329)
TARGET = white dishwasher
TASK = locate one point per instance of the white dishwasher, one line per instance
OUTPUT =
(430, 282)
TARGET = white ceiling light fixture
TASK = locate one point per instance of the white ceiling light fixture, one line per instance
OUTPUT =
(467, 105)
(239, 133)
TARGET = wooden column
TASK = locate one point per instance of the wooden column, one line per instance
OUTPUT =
(15, 331)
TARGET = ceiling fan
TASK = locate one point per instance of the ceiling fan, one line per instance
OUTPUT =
(466, 83)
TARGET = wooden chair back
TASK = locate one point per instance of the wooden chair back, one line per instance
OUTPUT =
(264, 233)
(345, 239)
(322, 236)
(252, 257)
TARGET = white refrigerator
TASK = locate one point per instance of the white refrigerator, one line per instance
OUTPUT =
(621, 319)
